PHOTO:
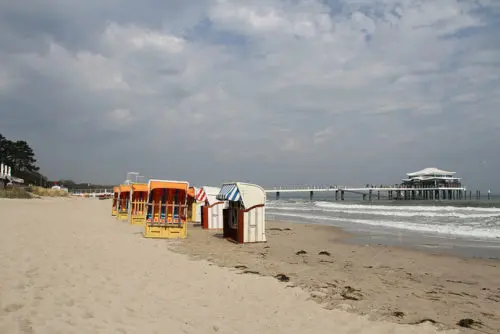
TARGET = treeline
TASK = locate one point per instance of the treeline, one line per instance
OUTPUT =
(21, 158)
(70, 184)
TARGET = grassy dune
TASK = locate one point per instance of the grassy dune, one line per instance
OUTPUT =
(31, 192)
(15, 193)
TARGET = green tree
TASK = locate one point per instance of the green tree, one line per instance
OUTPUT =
(5, 145)
(21, 158)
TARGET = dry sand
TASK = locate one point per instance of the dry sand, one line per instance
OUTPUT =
(383, 283)
(67, 266)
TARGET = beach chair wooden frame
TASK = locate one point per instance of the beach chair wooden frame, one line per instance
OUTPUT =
(211, 215)
(191, 205)
(138, 204)
(166, 209)
(244, 217)
(123, 202)
(114, 202)
(208, 214)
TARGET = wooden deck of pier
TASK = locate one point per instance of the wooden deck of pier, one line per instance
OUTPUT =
(391, 193)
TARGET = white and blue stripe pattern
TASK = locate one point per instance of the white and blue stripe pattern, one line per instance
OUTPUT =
(229, 192)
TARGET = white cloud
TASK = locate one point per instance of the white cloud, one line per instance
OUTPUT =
(130, 38)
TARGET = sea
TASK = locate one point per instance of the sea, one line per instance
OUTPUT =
(469, 228)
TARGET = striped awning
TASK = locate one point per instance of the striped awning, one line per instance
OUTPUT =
(201, 196)
(229, 192)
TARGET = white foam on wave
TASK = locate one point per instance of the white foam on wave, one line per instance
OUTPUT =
(364, 210)
(472, 230)
(418, 208)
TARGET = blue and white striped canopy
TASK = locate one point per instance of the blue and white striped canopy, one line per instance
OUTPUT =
(229, 192)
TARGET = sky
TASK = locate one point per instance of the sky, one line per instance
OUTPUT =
(271, 92)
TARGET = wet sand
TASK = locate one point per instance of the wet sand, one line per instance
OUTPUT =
(69, 267)
(381, 282)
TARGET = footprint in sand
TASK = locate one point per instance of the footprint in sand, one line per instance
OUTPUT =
(22, 286)
(88, 315)
(31, 273)
(26, 326)
(13, 308)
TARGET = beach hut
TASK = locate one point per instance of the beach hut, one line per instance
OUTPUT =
(166, 209)
(114, 209)
(123, 201)
(244, 217)
(192, 205)
(138, 202)
(212, 208)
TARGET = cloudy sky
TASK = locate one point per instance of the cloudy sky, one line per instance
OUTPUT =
(267, 91)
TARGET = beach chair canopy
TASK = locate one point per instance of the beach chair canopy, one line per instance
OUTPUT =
(124, 188)
(208, 194)
(166, 184)
(137, 187)
(248, 194)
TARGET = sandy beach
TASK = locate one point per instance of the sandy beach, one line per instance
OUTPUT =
(384, 283)
(69, 267)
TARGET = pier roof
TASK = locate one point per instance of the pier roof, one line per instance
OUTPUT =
(430, 171)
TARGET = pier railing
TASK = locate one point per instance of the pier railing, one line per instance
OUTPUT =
(398, 191)
(301, 188)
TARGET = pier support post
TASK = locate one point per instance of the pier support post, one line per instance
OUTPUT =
(277, 195)
(370, 195)
(311, 195)
(364, 197)
(336, 195)
(378, 195)
(341, 195)
(470, 195)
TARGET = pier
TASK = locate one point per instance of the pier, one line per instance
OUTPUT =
(427, 184)
(391, 193)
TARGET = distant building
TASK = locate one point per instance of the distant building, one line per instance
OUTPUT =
(432, 178)
(6, 177)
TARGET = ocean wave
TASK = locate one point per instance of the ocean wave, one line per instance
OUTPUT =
(396, 213)
(419, 208)
(476, 229)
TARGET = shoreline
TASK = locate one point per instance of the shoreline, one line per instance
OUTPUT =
(430, 242)
(388, 283)
(409, 241)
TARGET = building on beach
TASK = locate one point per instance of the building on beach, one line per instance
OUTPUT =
(6, 177)
(432, 178)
